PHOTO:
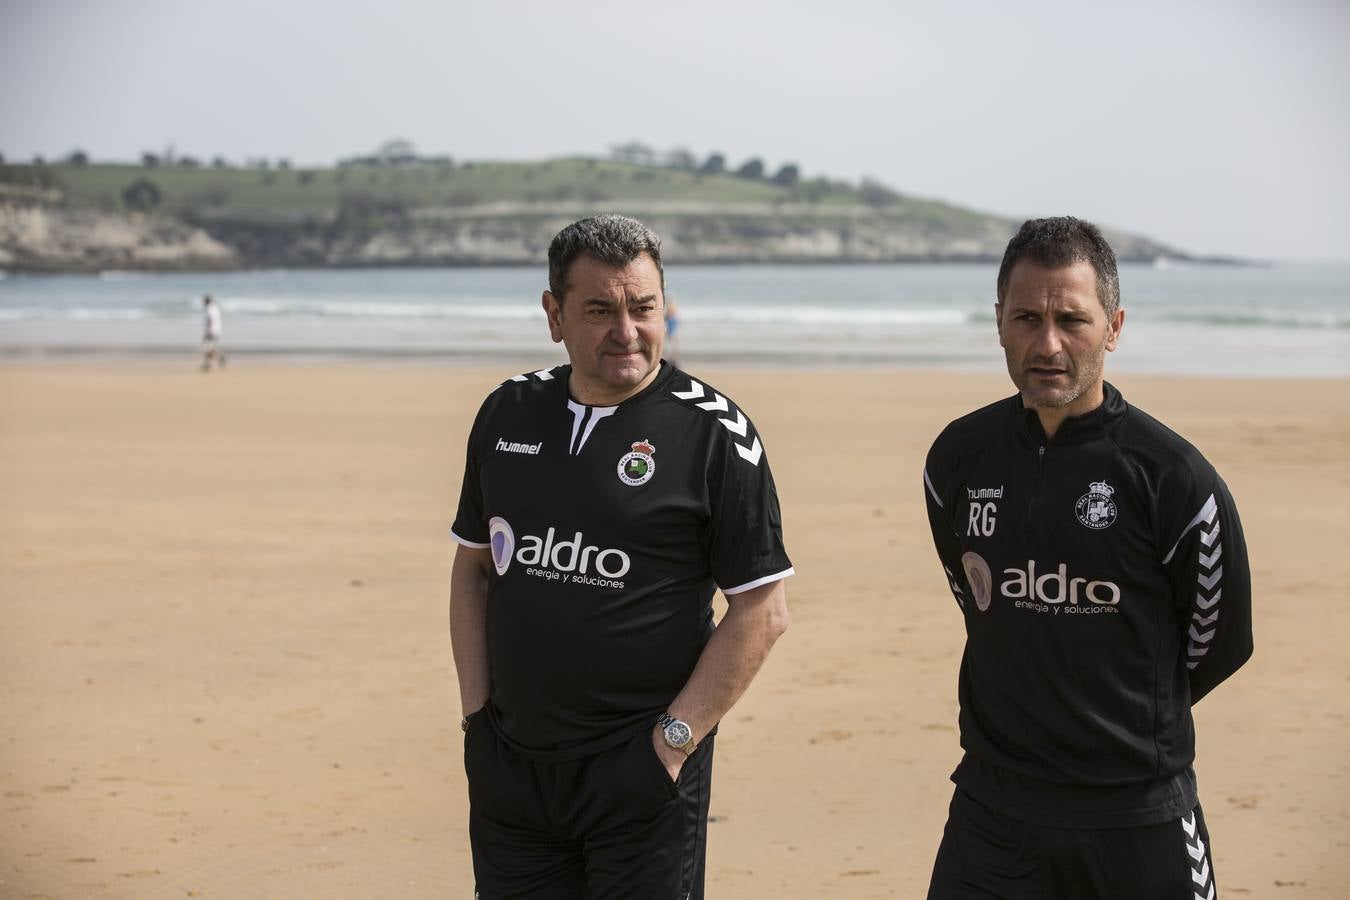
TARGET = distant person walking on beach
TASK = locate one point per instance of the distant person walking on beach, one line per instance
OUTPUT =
(603, 503)
(1101, 570)
(211, 333)
(672, 349)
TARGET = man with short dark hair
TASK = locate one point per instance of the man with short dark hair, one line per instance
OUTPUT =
(1100, 567)
(603, 503)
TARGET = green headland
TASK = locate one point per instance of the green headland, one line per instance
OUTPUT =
(182, 214)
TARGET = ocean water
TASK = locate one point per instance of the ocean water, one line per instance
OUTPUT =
(1181, 319)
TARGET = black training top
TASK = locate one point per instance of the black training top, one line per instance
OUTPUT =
(610, 528)
(1104, 583)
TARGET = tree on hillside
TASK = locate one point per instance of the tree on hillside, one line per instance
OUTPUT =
(149, 160)
(78, 158)
(189, 162)
(397, 150)
(141, 194)
(634, 153)
(751, 168)
(715, 164)
(874, 193)
(218, 162)
(681, 159)
(787, 175)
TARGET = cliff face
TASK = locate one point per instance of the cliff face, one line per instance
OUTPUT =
(55, 239)
(82, 218)
(433, 238)
(524, 239)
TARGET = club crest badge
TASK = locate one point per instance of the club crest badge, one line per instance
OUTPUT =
(638, 467)
(1096, 509)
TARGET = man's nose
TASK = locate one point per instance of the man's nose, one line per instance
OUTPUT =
(1048, 340)
(623, 328)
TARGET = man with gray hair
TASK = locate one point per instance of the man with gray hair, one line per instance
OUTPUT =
(603, 503)
(1100, 568)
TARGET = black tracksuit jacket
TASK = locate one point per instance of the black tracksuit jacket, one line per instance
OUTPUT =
(1104, 582)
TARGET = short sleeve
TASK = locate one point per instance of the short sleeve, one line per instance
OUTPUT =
(471, 528)
(745, 543)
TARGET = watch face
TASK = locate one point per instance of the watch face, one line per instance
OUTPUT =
(678, 734)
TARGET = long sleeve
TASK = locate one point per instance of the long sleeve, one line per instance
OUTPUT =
(1212, 584)
(945, 539)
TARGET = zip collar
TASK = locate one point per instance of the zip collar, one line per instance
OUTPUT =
(1074, 429)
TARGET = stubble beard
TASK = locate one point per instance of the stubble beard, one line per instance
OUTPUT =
(1081, 379)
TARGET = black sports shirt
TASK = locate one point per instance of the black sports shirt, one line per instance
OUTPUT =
(610, 529)
(1104, 583)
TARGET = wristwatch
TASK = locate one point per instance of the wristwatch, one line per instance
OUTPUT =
(677, 734)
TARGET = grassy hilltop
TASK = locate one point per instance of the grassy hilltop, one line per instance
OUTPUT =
(431, 212)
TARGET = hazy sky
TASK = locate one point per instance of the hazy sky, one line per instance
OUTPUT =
(1220, 126)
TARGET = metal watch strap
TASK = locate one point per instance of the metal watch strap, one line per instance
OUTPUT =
(665, 722)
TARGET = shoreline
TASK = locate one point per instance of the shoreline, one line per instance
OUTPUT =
(936, 318)
(525, 360)
(983, 259)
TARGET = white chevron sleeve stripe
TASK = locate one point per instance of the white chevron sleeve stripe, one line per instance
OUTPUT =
(752, 453)
(717, 404)
(737, 425)
(695, 391)
(735, 421)
(955, 587)
(1206, 514)
(1206, 597)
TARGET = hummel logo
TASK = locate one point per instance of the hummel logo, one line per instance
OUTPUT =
(516, 447)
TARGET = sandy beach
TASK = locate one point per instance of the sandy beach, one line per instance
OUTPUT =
(225, 668)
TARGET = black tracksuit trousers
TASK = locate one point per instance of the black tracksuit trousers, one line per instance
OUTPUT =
(986, 855)
(612, 826)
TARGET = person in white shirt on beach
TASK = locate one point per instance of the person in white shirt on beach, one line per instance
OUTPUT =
(211, 333)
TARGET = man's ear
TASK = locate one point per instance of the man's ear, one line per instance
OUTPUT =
(998, 320)
(1113, 326)
(553, 309)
